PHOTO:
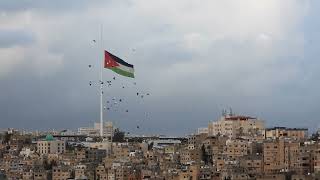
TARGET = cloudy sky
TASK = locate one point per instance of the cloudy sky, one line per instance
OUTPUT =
(194, 57)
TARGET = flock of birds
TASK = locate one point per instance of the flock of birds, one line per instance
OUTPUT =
(119, 104)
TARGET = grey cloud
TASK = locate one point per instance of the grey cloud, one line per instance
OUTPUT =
(11, 38)
(43, 5)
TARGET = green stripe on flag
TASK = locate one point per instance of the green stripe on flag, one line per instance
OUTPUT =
(122, 72)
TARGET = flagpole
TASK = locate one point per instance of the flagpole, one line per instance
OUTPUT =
(101, 85)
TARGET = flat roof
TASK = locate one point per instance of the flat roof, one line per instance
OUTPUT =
(288, 129)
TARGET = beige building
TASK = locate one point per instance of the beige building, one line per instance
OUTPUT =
(170, 149)
(50, 146)
(214, 147)
(191, 173)
(80, 171)
(95, 130)
(302, 177)
(101, 173)
(288, 156)
(61, 173)
(236, 148)
(27, 175)
(316, 162)
(298, 158)
(253, 164)
(273, 156)
(272, 177)
(189, 156)
(195, 141)
(283, 132)
(121, 151)
(40, 174)
(234, 126)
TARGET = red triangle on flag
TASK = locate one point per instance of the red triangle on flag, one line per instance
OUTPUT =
(109, 62)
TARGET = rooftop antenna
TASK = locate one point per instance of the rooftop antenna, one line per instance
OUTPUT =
(230, 113)
(224, 112)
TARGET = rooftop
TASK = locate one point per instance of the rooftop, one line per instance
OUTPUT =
(239, 117)
(288, 129)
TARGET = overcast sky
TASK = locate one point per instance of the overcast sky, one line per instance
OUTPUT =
(195, 58)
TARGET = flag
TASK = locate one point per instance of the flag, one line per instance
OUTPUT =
(118, 65)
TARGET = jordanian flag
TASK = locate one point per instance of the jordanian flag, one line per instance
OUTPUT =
(118, 65)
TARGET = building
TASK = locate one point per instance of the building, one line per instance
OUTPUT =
(195, 141)
(101, 173)
(235, 126)
(95, 130)
(80, 172)
(273, 156)
(39, 173)
(214, 147)
(121, 151)
(189, 156)
(316, 162)
(95, 155)
(283, 132)
(50, 146)
(253, 164)
(236, 148)
(204, 130)
(61, 173)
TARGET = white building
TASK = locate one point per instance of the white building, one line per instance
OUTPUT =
(203, 130)
(50, 146)
(26, 152)
(95, 130)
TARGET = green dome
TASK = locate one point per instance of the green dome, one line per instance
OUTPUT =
(49, 137)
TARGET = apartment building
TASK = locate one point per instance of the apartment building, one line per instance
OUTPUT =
(283, 132)
(50, 146)
(61, 173)
(234, 126)
(273, 156)
(236, 148)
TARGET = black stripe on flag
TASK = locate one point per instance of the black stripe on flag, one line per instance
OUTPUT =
(120, 61)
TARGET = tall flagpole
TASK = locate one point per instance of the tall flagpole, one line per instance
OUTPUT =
(101, 84)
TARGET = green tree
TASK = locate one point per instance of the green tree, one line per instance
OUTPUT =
(7, 138)
(118, 136)
(150, 146)
(204, 154)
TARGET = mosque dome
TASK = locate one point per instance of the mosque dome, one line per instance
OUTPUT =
(49, 137)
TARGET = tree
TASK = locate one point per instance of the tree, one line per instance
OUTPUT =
(204, 154)
(48, 166)
(7, 137)
(315, 137)
(70, 147)
(150, 146)
(118, 136)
